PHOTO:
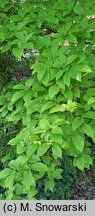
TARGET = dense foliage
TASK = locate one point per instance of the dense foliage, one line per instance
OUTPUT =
(55, 107)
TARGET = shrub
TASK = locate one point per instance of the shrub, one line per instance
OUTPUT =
(55, 106)
(64, 187)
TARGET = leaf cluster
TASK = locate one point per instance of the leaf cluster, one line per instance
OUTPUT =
(56, 105)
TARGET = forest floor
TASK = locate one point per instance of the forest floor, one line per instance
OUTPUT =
(86, 189)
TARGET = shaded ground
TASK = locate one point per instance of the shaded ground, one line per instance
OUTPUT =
(86, 189)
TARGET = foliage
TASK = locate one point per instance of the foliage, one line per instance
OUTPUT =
(56, 105)
(64, 188)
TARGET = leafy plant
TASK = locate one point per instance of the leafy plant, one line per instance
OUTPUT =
(63, 188)
(55, 106)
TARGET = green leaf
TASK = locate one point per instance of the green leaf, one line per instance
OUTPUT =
(14, 141)
(22, 159)
(78, 9)
(31, 148)
(56, 138)
(75, 75)
(29, 82)
(41, 74)
(87, 159)
(31, 194)
(5, 158)
(15, 117)
(47, 105)
(57, 151)
(2, 100)
(17, 52)
(57, 108)
(60, 61)
(10, 195)
(86, 69)
(72, 39)
(17, 95)
(61, 83)
(37, 130)
(21, 148)
(4, 113)
(54, 49)
(42, 149)
(1, 36)
(40, 167)
(19, 86)
(15, 18)
(59, 74)
(88, 130)
(84, 23)
(66, 79)
(4, 173)
(78, 142)
(45, 79)
(76, 92)
(89, 114)
(44, 124)
(26, 120)
(65, 145)
(89, 93)
(34, 158)
(28, 179)
(68, 24)
(28, 45)
(57, 173)
(59, 122)
(70, 59)
(9, 180)
(84, 161)
(49, 185)
(78, 162)
(91, 101)
(53, 90)
(27, 98)
(57, 130)
(71, 106)
(14, 164)
(77, 123)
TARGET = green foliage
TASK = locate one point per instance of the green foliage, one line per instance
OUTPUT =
(64, 187)
(55, 107)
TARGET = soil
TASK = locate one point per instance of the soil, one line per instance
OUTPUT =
(86, 189)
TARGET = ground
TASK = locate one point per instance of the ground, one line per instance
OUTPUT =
(86, 189)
